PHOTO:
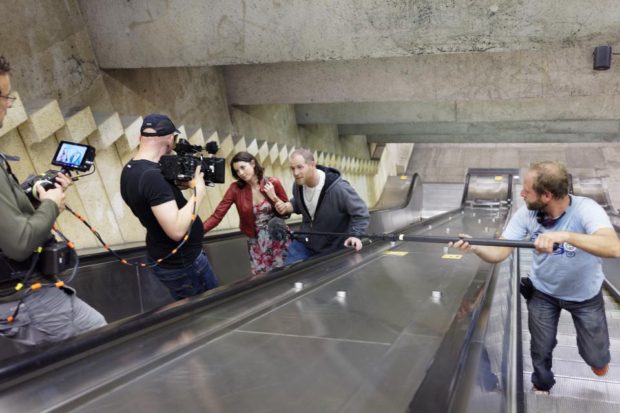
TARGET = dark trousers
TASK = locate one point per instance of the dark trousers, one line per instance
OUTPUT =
(193, 279)
(590, 324)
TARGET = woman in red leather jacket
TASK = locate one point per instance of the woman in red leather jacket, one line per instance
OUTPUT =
(254, 196)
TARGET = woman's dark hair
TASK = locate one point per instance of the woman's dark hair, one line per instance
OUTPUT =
(246, 157)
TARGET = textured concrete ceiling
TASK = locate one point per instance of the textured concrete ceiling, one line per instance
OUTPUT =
(483, 64)
(160, 33)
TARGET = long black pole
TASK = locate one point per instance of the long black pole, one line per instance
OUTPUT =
(430, 238)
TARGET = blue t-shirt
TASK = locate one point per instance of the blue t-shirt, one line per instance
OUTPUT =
(568, 273)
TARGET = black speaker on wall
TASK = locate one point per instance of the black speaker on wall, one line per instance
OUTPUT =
(602, 57)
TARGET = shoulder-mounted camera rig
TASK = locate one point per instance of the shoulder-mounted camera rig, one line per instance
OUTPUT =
(182, 166)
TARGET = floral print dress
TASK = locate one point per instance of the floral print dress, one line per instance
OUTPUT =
(265, 253)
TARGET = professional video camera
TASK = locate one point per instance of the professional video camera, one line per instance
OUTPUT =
(181, 167)
(54, 257)
(69, 157)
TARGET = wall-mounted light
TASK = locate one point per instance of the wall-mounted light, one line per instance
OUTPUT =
(602, 58)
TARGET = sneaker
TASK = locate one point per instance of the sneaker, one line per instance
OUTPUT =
(602, 371)
(536, 390)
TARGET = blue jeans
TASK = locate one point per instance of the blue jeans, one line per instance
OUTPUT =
(297, 251)
(190, 280)
(590, 324)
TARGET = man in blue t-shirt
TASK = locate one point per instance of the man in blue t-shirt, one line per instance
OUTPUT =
(568, 278)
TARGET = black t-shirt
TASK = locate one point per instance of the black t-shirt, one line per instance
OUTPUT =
(143, 186)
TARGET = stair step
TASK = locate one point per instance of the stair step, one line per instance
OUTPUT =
(570, 353)
(553, 404)
(79, 123)
(613, 317)
(570, 340)
(44, 118)
(576, 368)
(131, 136)
(575, 390)
(109, 129)
(568, 328)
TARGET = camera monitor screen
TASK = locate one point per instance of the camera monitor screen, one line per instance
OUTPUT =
(74, 156)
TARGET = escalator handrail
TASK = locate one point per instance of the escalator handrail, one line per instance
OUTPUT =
(415, 180)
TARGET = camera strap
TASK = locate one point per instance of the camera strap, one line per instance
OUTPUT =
(5, 163)
(7, 168)
(142, 264)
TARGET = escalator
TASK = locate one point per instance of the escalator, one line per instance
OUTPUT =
(386, 329)
(397, 327)
(577, 388)
(497, 370)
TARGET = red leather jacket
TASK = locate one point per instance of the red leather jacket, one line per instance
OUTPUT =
(242, 198)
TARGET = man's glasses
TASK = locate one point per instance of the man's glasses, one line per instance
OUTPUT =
(9, 97)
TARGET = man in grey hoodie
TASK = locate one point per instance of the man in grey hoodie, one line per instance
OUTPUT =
(327, 203)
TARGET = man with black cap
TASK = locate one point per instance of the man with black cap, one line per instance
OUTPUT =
(165, 213)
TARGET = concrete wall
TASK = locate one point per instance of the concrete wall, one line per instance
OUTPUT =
(439, 77)
(449, 162)
(147, 33)
(190, 95)
(278, 123)
(274, 123)
(63, 95)
(49, 47)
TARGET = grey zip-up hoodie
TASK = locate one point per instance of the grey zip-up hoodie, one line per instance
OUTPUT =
(339, 209)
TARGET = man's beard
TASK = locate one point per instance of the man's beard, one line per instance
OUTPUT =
(536, 205)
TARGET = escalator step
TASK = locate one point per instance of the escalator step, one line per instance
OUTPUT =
(576, 369)
(552, 404)
(570, 340)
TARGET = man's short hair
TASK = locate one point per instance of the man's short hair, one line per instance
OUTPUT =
(305, 152)
(5, 66)
(550, 176)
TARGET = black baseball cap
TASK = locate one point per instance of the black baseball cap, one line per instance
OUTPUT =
(162, 125)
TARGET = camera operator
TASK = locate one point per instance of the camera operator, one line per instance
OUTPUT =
(32, 316)
(166, 214)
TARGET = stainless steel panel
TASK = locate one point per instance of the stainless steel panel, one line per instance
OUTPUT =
(282, 350)
(382, 298)
(245, 372)
(595, 188)
(611, 269)
(439, 198)
(402, 368)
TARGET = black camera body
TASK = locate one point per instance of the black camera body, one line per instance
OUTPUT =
(69, 157)
(48, 180)
(182, 166)
(55, 258)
